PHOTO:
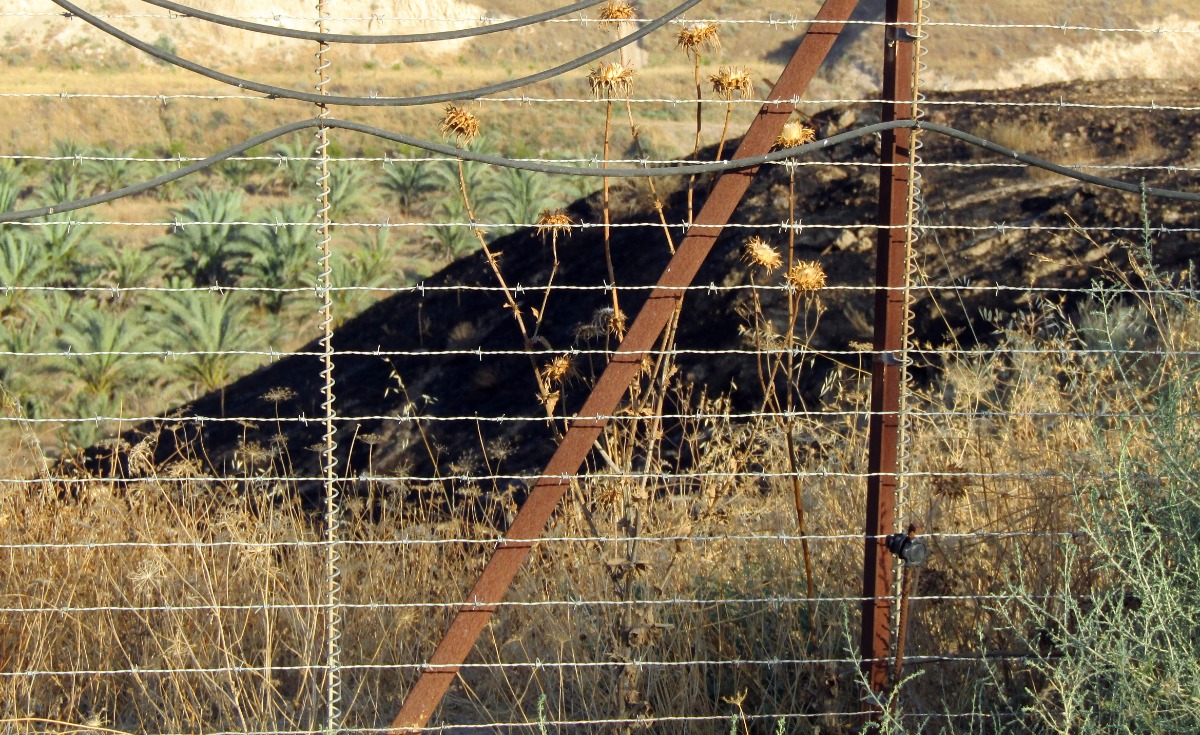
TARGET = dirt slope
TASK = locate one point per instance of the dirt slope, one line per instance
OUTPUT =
(503, 386)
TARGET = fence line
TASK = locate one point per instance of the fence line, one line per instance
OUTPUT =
(672, 587)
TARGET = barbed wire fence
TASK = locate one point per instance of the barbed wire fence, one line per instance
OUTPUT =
(552, 489)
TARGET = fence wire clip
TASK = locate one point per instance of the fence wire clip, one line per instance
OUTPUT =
(896, 33)
(909, 548)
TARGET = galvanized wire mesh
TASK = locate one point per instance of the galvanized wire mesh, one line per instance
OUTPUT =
(202, 537)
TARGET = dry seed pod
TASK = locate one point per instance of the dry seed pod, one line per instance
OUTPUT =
(460, 124)
(553, 222)
(616, 11)
(611, 79)
(693, 37)
(806, 276)
(760, 252)
(558, 370)
(795, 133)
(730, 80)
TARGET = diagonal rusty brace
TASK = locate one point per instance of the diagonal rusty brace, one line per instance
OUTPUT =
(727, 193)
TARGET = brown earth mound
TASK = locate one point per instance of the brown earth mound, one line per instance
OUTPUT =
(986, 225)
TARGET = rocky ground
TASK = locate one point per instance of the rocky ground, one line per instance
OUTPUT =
(1014, 215)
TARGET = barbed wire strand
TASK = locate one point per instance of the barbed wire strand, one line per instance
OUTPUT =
(720, 166)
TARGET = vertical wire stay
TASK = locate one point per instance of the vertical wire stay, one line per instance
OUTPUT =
(333, 617)
(900, 574)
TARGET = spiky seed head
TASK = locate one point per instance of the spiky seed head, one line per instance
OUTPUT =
(616, 11)
(806, 276)
(278, 394)
(606, 321)
(692, 38)
(460, 124)
(553, 222)
(760, 252)
(558, 370)
(730, 80)
(795, 133)
(611, 79)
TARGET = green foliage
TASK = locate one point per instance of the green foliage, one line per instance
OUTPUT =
(62, 173)
(64, 245)
(368, 265)
(97, 335)
(295, 170)
(22, 263)
(110, 172)
(408, 181)
(284, 255)
(450, 243)
(12, 181)
(237, 173)
(518, 196)
(349, 193)
(1126, 657)
(124, 266)
(205, 244)
(208, 324)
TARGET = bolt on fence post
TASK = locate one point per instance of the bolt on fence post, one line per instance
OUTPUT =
(886, 373)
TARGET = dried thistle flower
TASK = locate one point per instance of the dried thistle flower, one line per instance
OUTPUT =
(691, 38)
(730, 80)
(610, 79)
(606, 321)
(759, 252)
(553, 222)
(279, 394)
(460, 124)
(795, 133)
(616, 11)
(807, 276)
(558, 370)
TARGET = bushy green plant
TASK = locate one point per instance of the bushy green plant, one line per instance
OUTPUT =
(209, 243)
(284, 252)
(210, 325)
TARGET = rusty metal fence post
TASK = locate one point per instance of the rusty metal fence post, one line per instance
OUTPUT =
(886, 374)
(727, 192)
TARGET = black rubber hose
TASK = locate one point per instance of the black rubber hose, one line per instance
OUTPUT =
(552, 168)
(242, 25)
(320, 99)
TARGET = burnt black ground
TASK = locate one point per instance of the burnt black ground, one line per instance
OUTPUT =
(504, 386)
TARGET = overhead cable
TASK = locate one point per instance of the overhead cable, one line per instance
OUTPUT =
(461, 33)
(322, 99)
(548, 168)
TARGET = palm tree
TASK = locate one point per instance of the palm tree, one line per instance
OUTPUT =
(65, 244)
(210, 325)
(12, 181)
(478, 178)
(125, 266)
(447, 242)
(206, 242)
(237, 172)
(518, 196)
(295, 167)
(283, 254)
(17, 334)
(66, 170)
(111, 170)
(408, 181)
(22, 263)
(104, 335)
(349, 193)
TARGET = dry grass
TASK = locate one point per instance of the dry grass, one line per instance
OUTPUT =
(249, 570)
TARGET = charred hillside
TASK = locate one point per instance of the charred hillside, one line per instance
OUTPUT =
(427, 352)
